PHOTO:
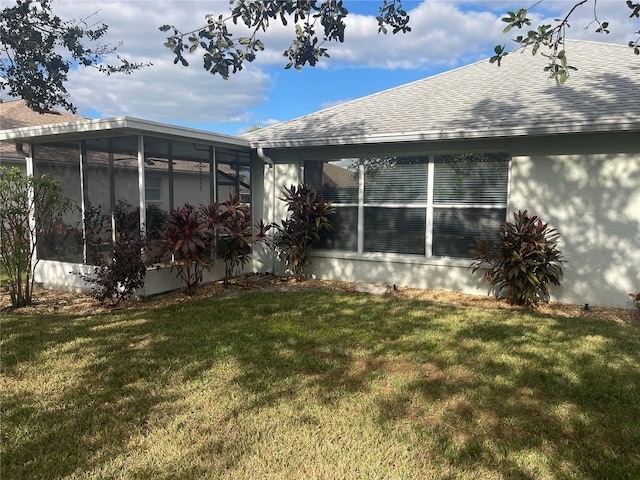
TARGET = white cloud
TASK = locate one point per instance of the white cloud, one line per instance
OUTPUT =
(444, 33)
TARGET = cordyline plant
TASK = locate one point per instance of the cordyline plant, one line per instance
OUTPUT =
(234, 234)
(525, 262)
(30, 208)
(187, 239)
(308, 216)
(194, 237)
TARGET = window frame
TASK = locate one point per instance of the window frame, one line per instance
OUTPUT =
(429, 206)
(147, 188)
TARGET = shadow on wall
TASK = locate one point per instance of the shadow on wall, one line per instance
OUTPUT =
(594, 201)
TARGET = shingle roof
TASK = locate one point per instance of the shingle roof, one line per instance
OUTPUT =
(16, 114)
(482, 100)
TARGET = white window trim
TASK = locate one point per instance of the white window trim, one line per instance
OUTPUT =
(147, 188)
(429, 206)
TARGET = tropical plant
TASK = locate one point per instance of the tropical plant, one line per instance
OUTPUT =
(187, 239)
(525, 262)
(308, 215)
(30, 208)
(235, 236)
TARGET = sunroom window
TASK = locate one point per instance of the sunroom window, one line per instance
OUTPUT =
(433, 206)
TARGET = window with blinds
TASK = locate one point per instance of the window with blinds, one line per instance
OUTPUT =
(433, 206)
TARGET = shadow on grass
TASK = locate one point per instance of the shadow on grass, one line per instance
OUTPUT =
(480, 391)
(562, 392)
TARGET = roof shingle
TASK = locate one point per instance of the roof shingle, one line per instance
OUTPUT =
(482, 100)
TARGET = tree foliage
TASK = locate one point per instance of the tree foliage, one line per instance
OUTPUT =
(38, 48)
(315, 23)
(549, 39)
(29, 210)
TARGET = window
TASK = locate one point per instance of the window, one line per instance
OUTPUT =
(152, 189)
(433, 206)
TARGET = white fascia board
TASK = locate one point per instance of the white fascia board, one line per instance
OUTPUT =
(407, 137)
(115, 126)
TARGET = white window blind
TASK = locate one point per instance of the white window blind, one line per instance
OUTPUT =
(468, 201)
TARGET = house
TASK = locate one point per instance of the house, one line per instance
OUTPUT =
(16, 114)
(416, 173)
(444, 160)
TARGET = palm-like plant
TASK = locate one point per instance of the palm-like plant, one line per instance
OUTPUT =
(188, 239)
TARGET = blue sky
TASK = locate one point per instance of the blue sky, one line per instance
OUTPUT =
(446, 34)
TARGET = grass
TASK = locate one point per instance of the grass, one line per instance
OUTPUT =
(319, 385)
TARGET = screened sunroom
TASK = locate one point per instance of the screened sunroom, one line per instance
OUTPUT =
(126, 165)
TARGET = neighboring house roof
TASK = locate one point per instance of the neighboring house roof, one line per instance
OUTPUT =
(482, 100)
(16, 114)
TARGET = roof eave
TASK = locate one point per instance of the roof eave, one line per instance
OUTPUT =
(452, 135)
(114, 126)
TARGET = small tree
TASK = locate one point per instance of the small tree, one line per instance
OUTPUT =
(29, 210)
(308, 216)
(525, 262)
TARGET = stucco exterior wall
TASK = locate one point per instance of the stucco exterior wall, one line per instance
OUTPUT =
(586, 186)
(593, 199)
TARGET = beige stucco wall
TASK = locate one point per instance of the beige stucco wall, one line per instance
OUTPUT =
(586, 186)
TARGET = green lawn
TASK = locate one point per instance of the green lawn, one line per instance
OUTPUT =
(307, 385)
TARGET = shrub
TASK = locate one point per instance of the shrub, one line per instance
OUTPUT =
(123, 273)
(525, 262)
(235, 236)
(308, 216)
(22, 199)
(96, 230)
(156, 221)
(118, 279)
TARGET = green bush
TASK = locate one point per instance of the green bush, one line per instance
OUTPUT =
(525, 262)
(156, 221)
(23, 199)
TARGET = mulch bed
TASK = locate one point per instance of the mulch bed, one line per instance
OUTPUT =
(57, 301)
